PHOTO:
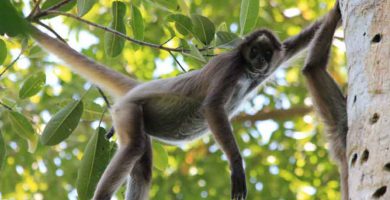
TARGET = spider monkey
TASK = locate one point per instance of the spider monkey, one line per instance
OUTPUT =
(182, 108)
(328, 99)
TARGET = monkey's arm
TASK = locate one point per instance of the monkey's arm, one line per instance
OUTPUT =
(219, 125)
(328, 99)
(297, 43)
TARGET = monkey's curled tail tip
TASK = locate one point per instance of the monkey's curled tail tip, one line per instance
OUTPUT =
(110, 133)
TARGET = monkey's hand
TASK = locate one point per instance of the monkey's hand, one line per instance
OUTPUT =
(238, 182)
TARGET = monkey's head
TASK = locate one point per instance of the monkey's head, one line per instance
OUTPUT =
(261, 50)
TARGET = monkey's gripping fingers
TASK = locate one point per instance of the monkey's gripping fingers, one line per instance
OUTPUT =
(238, 183)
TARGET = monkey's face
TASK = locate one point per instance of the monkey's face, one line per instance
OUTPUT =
(261, 55)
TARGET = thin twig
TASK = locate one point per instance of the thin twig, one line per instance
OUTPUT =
(156, 46)
(111, 132)
(281, 114)
(116, 32)
(210, 55)
(13, 62)
(34, 9)
(5, 106)
(52, 31)
(54, 7)
(101, 118)
(104, 97)
(167, 41)
(174, 58)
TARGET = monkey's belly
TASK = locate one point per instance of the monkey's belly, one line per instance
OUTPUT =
(174, 119)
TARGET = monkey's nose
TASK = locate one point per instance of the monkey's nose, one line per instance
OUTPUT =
(261, 60)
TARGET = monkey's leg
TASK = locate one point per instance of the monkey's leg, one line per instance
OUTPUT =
(128, 122)
(328, 99)
(331, 105)
(141, 176)
(223, 134)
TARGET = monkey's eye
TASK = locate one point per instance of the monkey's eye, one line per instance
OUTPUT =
(268, 55)
(254, 50)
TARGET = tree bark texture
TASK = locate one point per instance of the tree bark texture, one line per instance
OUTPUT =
(367, 36)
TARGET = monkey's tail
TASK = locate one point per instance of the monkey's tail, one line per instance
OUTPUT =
(109, 80)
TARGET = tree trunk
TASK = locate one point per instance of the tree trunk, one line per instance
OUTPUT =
(367, 36)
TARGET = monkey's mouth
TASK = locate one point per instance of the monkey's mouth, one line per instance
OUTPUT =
(258, 70)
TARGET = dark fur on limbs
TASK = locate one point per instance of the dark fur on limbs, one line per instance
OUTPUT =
(182, 108)
(328, 99)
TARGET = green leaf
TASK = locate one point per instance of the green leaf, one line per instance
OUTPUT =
(203, 29)
(8, 101)
(248, 15)
(11, 22)
(222, 27)
(36, 52)
(49, 3)
(3, 51)
(183, 24)
(83, 6)
(160, 156)
(3, 151)
(114, 44)
(32, 85)
(184, 44)
(62, 124)
(23, 128)
(227, 39)
(92, 111)
(195, 53)
(137, 23)
(94, 162)
(169, 4)
(183, 6)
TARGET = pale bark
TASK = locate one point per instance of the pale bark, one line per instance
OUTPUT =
(367, 36)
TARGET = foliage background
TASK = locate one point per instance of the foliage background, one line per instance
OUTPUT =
(285, 154)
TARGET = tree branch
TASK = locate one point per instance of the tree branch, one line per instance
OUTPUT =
(54, 7)
(35, 9)
(174, 58)
(104, 97)
(52, 31)
(156, 46)
(274, 114)
(5, 106)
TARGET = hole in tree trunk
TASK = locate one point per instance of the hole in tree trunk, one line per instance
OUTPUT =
(374, 118)
(365, 156)
(354, 158)
(377, 38)
(379, 192)
(387, 167)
